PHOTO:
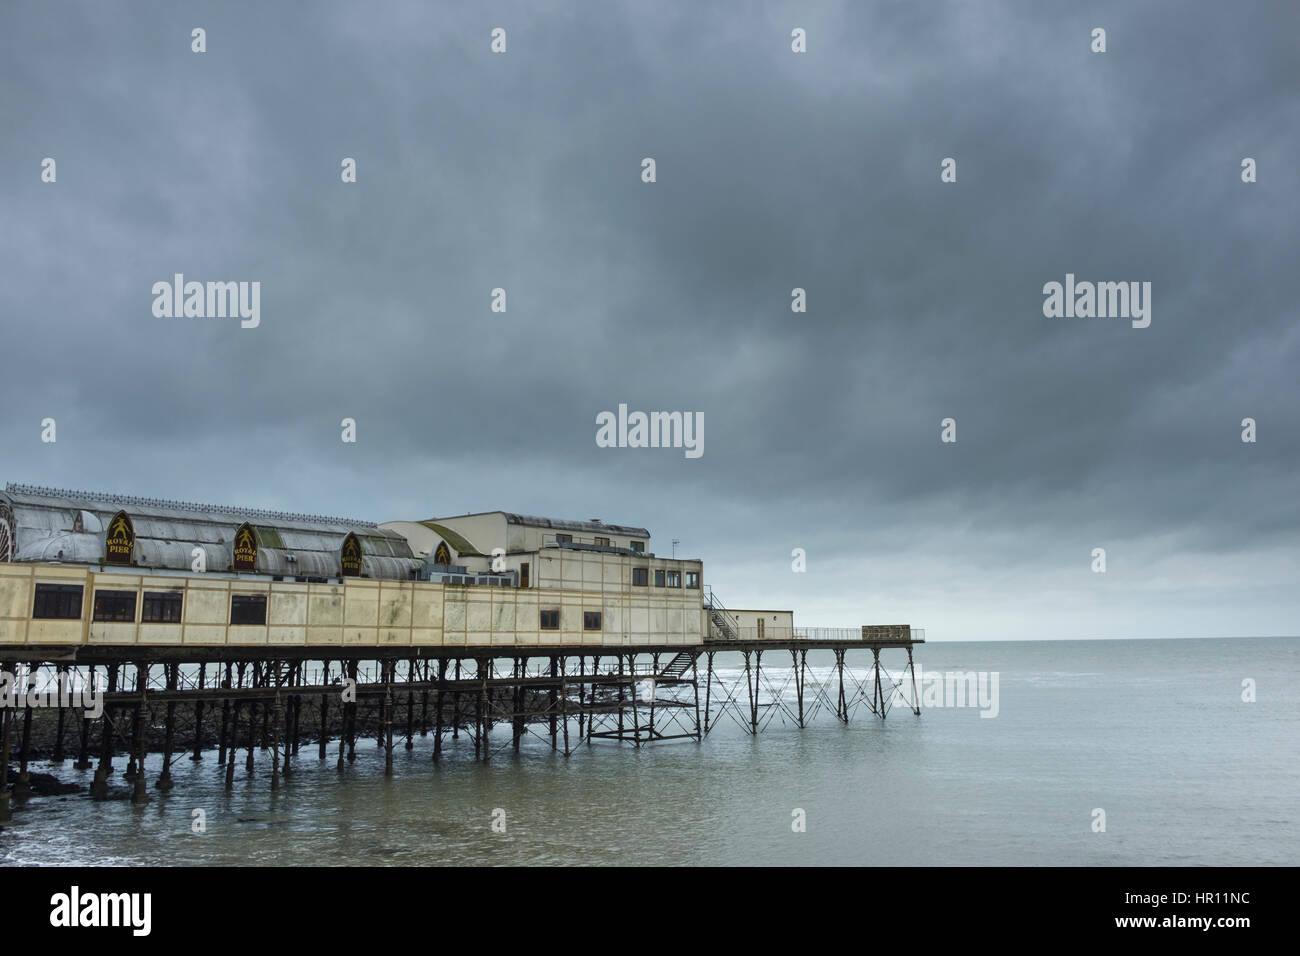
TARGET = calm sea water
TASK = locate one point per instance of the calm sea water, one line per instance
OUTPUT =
(1153, 732)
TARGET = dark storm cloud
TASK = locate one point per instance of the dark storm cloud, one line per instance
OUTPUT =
(775, 170)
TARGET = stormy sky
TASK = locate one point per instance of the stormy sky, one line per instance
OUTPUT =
(775, 170)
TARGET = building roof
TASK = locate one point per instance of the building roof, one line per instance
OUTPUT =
(559, 524)
(52, 524)
(457, 541)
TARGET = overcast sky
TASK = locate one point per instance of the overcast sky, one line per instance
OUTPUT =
(775, 170)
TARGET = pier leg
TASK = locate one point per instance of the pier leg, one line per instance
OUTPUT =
(252, 735)
(234, 745)
(130, 772)
(591, 697)
(654, 697)
(99, 789)
(83, 751)
(753, 707)
(5, 725)
(296, 700)
(424, 703)
(480, 750)
(582, 688)
(564, 706)
(164, 781)
(916, 700)
(140, 793)
(636, 716)
(798, 678)
(708, 688)
(455, 706)
(265, 681)
(223, 739)
(352, 712)
(281, 717)
(437, 706)
(841, 707)
(63, 682)
(551, 701)
(322, 744)
(620, 697)
(410, 704)
(695, 686)
(23, 785)
(275, 725)
(880, 697)
(517, 700)
(198, 717)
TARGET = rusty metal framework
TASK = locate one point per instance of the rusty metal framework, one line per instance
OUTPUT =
(164, 704)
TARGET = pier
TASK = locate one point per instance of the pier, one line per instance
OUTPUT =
(257, 707)
(192, 628)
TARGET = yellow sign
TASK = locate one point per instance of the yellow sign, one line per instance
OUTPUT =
(245, 549)
(443, 554)
(119, 540)
(350, 556)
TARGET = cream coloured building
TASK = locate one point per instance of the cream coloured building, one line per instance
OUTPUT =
(306, 581)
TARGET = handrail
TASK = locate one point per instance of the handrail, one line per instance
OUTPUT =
(769, 633)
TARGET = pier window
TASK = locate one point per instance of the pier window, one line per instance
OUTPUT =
(248, 609)
(60, 601)
(523, 574)
(564, 539)
(161, 607)
(602, 542)
(659, 578)
(692, 579)
(674, 579)
(550, 620)
(640, 577)
(115, 606)
(638, 545)
(591, 620)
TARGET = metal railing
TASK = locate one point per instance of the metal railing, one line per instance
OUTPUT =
(878, 635)
(722, 622)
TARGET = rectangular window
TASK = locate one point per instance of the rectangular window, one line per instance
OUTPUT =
(61, 601)
(115, 606)
(692, 579)
(564, 539)
(550, 620)
(603, 542)
(674, 579)
(638, 545)
(523, 575)
(161, 607)
(659, 579)
(248, 609)
(640, 577)
(591, 620)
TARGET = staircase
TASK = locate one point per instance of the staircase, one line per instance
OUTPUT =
(723, 626)
(678, 666)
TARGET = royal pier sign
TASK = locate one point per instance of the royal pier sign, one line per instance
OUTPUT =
(119, 540)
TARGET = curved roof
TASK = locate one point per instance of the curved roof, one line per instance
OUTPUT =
(51, 524)
(453, 538)
(560, 524)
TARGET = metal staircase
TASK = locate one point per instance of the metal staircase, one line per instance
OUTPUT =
(723, 626)
(679, 665)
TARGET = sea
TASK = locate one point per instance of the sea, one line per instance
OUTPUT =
(1108, 752)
